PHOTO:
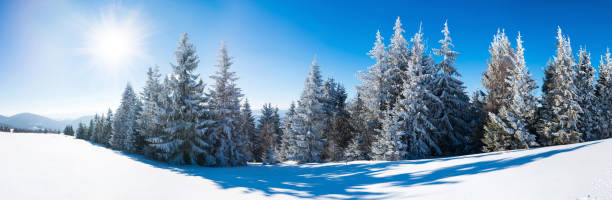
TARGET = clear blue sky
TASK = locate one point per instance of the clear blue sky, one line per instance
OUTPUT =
(47, 65)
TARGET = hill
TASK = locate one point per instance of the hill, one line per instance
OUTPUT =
(50, 166)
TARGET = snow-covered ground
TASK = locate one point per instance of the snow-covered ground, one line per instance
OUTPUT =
(49, 166)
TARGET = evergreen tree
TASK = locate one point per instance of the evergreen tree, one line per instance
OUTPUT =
(360, 142)
(411, 120)
(499, 66)
(186, 113)
(268, 132)
(589, 123)
(288, 145)
(81, 131)
(452, 114)
(514, 119)
(108, 128)
(558, 122)
(247, 129)
(124, 128)
(376, 91)
(67, 131)
(91, 129)
(150, 120)
(604, 96)
(225, 101)
(309, 123)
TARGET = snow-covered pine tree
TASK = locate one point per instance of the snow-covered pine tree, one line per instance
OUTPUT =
(288, 143)
(499, 66)
(125, 133)
(399, 58)
(338, 129)
(247, 129)
(149, 120)
(411, 120)
(68, 130)
(510, 128)
(81, 131)
(268, 133)
(186, 113)
(560, 111)
(108, 128)
(589, 123)
(376, 90)
(309, 121)
(359, 146)
(453, 113)
(98, 137)
(225, 102)
(604, 95)
(91, 129)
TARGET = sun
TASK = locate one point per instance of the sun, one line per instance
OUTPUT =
(115, 40)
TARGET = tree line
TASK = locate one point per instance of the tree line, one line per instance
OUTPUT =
(408, 106)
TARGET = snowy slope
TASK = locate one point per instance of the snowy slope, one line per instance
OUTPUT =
(48, 166)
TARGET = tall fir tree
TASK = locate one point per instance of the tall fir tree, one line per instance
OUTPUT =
(247, 129)
(186, 116)
(589, 120)
(499, 66)
(150, 119)
(358, 147)
(560, 111)
(452, 114)
(124, 128)
(288, 145)
(225, 101)
(510, 127)
(604, 95)
(309, 121)
(268, 133)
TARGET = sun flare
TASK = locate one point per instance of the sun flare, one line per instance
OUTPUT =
(115, 41)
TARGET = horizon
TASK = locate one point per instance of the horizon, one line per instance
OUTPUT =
(56, 61)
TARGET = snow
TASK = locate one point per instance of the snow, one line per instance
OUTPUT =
(50, 166)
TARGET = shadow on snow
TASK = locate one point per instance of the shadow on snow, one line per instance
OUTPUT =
(347, 180)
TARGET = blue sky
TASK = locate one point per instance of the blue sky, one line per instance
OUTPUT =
(46, 68)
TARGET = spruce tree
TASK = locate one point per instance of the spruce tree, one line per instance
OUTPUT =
(186, 115)
(288, 143)
(358, 147)
(453, 112)
(589, 120)
(149, 121)
(511, 126)
(560, 111)
(499, 66)
(268, 133)
(67, 131)
(247, 129)
(604, 96)
(225, 102)
(309, 121)
(124, 128)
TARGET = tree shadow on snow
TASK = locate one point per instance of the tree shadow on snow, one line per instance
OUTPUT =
(348, 180)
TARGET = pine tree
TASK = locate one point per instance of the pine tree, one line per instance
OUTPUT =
(399, 60)
(288, 144)
(150, 121)
(91, 129)
(225, 101)
(108, 128)
(376, 90)
(499, 66)
(589, 123)
(604, 96)
(513, 122)
(67, 131)
(81, 131)
(359, 146)
(186, 113)
(558, 123)
(268, 133)
(451, 116)
(247, 129)
(124, 128)
(309, 123)
(411, 120)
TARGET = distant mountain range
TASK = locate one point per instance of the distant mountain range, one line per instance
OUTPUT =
(34, 121)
